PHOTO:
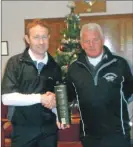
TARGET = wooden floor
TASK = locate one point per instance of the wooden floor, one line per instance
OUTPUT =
(69, 144)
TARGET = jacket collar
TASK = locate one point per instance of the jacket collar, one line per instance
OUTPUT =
(26, 57)
(107, 56)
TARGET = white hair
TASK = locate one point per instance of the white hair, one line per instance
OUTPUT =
(91, 27)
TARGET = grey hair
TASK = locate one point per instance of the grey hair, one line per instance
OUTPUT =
(92, 27)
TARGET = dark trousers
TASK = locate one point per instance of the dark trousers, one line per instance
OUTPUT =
(114, 140)
(33, 137)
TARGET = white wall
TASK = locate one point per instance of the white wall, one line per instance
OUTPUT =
(14, 13)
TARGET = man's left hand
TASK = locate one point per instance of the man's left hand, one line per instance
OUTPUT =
(62, 126)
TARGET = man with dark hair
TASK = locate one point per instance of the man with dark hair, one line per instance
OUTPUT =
(102, 83)
(27, 88)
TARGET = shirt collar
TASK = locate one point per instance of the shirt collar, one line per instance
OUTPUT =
(95, 61)
(44, 60)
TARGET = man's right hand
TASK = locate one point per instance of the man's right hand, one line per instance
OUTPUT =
(48, 100)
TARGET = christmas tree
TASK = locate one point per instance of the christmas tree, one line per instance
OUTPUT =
(69, 47)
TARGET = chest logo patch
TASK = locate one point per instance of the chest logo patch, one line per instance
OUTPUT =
(110, 77)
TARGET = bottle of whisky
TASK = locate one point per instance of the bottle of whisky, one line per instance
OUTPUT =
(62, 103)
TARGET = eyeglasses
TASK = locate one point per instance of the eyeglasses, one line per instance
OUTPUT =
(40, 37)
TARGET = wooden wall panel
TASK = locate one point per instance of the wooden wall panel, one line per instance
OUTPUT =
(118, 31)
(128, 51)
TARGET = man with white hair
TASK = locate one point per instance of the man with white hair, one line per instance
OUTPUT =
(102, 83)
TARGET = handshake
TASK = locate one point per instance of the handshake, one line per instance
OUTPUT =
(48, 100)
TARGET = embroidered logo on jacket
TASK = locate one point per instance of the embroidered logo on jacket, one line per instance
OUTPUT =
(110, 77)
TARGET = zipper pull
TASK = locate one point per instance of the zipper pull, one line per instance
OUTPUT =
(38, 73)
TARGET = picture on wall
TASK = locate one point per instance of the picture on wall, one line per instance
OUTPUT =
(4, 48)
(90, 6)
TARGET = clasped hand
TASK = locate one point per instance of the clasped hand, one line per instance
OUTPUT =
(48, 100)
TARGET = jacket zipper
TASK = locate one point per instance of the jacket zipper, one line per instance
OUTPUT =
(85, 67)
(38, 73)
(95, 78)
